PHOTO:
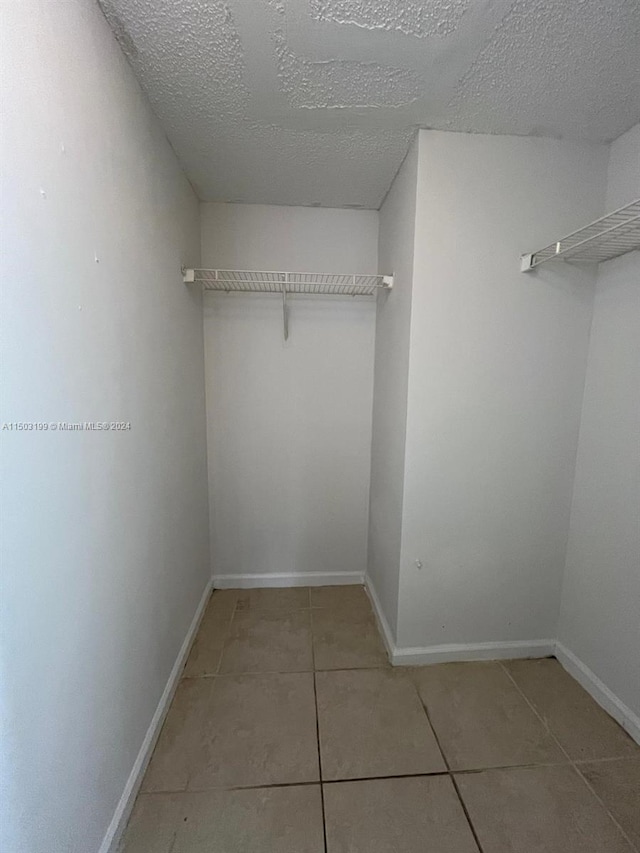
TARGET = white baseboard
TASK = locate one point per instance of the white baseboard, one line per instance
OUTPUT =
(118, 823)
(614, 706)
(422, 655)
(287, 579)
(383, 624)
(450, 652)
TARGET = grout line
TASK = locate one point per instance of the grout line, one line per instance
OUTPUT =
(575, 764)
(318, 782)
(604, 806)
(571, 761)
(272, 611)
(227, 638)
(219, 674)
(227, 632)
(383, 778)
(340, 781)
(579, 761)
(450, 773)
(466, 812)
(315, 697)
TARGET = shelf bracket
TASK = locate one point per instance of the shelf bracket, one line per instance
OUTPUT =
(606, 238)
(526, 262)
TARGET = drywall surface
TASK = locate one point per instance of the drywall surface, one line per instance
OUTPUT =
(497, 361)
(391, 376)
(316, 101)
(289, 424)
(104, 533)
(600, 613)
(623, 174)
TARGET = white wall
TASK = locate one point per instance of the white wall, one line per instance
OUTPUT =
(395, 255)
(105, 540)
(496, 373)
(289, 424)
(600, 614)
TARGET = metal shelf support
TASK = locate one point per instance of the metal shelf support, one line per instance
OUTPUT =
(288, 283)
(608, 237)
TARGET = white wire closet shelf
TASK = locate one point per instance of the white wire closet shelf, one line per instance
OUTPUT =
(286, 283)
(606, 238)
(263, 281)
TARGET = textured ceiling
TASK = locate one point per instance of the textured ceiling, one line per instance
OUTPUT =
(315, 101)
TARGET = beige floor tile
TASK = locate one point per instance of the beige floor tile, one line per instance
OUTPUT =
(205, 654)
(291, 598)
(343, 639)
(180, 737)
(583, 728)
(258, 730)
(352, 597)
(417, 815)
(154, 822)
(222, 601)
(371, 723)
(481, 719)
(269, 641)
(617, 783)
(267, 820)
(538, 810)
(204, 657)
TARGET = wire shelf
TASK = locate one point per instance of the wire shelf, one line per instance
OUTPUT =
(606, 238)
(261, 281)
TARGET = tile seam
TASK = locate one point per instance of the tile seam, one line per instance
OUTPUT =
(571, 761)
(315, 697)
(450, 773)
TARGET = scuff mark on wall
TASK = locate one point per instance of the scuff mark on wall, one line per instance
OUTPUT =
(337, 83)
(411, 17)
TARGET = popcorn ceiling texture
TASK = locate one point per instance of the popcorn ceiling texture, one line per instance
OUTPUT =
(342, 83)
(315, 101)
(411, 17)
(540, 51)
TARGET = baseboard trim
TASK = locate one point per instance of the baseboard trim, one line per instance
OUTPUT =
(383, 624)
(451, 652)
(287, 579)
(121, 815)
(448, 653)
(605, 697)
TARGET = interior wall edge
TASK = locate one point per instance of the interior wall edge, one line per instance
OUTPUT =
(111, 841)
(497, 191)
(600, 601)
(396, 252)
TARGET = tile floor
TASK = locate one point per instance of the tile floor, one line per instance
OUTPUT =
(290, 733)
